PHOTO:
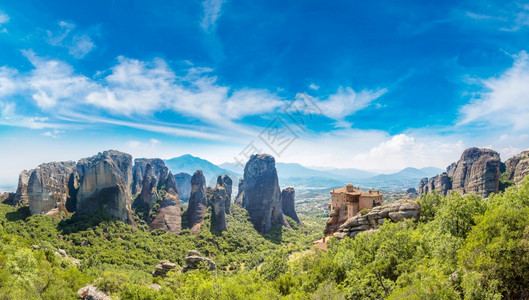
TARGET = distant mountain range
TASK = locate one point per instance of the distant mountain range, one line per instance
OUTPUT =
(293, 174)
(190, 164)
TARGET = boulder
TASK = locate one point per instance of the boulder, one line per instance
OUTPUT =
(395, 212)
(517, 167)
(21, 195)
(262, 196)
(48, 188)
(197, 202)
(91, 292)
(162, 268)
(287, 203)
(194, 262)
(219, 199)
(183, 182)
(106, 184)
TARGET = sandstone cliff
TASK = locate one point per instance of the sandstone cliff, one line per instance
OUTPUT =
(288, 196)
(197, 202)
(228, 185)
(262, 196)
(442, 183)
(106, 184)
(219, 200)
(48, 189)
(21, 195)
(477, 171)
(183, 181)
(395, 212)
(169, 214)
(517, 167)
(240, 193)
(158, 170)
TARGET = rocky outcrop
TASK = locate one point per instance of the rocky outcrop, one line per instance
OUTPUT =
(394, 212)
(228, 185)
(194, 261)
(169, 214)
(219, 199)
(442, 183)
(7, 198)
(21, 195)
(288, 203)
(183, 181)
(91, 292)
(477, 171)
(262, 196)
(517, 167)
(106, 184)
(197, 202)
(162, 268)
(411, 193)
(158, 170)
(240, 193)
(149, 188)
(48, 188)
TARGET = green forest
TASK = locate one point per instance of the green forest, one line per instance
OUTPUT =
(461, 248)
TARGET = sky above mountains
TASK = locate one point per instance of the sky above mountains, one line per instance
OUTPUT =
(377, 85)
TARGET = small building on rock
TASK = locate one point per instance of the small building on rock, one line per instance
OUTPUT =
(346, 202)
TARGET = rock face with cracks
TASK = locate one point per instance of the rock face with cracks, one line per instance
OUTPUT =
(197, 202)
(394, 212)
(288, 196)
(517, 167)
(262, 196)
(106, 184)
(48, 188)
(219, 200)
(183, 181)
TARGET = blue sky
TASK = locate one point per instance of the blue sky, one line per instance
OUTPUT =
(392, 84)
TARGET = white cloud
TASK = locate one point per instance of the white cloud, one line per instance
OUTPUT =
(55, 133)
(212, 11)
(81, 46)
(505, 101)
(4, 19)
(345, 102)
(8, 84)
(78, 45)
(135, 144)
(53, 81)
(9, 117)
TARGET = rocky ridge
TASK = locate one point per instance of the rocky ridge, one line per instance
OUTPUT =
(477, 171)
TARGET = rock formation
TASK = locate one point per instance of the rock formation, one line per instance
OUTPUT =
(7, 198)
(517, 167)
(395, 212)
(194, 261)
(158, 170)
(219, 200)
(288, 203)
(477, 171)
(411, 193)
(106, 184)
(169, 214)
(442, 183)
(91, 292)
(183, 181)
(240, 193)
(162, 268)
(262, 196)
(48, 190)
(197, 202)
(228, 185)
(149, 188)
(21, 195)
